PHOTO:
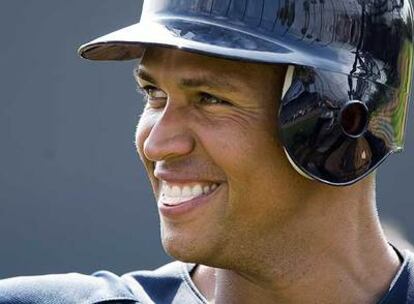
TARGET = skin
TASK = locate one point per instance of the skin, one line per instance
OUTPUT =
(267, 235)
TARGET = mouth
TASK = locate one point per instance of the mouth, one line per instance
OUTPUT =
(179, 198)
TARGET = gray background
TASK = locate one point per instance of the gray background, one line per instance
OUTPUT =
(73, 195)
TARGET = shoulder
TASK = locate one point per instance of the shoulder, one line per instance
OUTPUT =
(402, 287)
(168, 284)
(65, 288)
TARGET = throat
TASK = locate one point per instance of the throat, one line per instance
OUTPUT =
(332, 283)
(204, 278)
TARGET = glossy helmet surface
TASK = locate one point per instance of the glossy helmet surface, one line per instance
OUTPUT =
(347, 88)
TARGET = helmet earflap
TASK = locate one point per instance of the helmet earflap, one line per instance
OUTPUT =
(336, 128)
(286, 86)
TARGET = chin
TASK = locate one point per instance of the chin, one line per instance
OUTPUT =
(182, 249)
(189, 248)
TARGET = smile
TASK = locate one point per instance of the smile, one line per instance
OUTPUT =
(172, 194)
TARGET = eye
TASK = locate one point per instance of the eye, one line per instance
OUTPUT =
(208, 99)
(152, 92)
(155, 97)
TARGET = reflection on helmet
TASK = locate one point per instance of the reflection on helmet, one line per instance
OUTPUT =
(313, 133)
(344, 108)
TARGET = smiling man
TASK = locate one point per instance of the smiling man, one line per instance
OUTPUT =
(229, 198)
(208, 139)
(263, 126)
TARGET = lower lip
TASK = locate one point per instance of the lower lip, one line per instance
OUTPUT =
(187, 206)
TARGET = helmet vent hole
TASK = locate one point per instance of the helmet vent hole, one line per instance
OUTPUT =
(354, 118)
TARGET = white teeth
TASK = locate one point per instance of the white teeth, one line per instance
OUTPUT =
(186, 191)
(197, 190)
(176, 191)
(174, 195)
(166, 190)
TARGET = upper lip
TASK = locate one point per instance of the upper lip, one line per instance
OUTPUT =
(182, 177)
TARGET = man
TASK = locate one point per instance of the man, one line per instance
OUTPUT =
(241, 96)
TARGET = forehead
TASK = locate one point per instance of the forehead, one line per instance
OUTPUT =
(175, 62)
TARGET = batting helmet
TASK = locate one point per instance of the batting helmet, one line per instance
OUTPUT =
(347, 86)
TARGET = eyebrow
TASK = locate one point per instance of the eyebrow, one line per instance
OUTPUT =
(142, 74)
(206, 81)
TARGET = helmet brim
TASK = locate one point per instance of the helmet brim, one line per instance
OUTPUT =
(196, 36)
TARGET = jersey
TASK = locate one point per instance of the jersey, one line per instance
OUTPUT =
(170, 284)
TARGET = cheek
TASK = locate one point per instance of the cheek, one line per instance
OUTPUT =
(241, 146)
(255, 166)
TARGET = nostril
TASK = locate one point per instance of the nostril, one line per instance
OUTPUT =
(162, 148)
(147, 150)
(354, 118)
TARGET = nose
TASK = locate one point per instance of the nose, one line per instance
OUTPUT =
(170, 136)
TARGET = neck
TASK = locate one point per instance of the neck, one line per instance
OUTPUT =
(335, 252)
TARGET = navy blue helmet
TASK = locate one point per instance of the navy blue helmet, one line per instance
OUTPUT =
(347, 85)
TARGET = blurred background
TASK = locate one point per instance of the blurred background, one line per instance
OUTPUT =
(73, 194)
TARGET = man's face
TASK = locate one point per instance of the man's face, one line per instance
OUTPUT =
(208, 140)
